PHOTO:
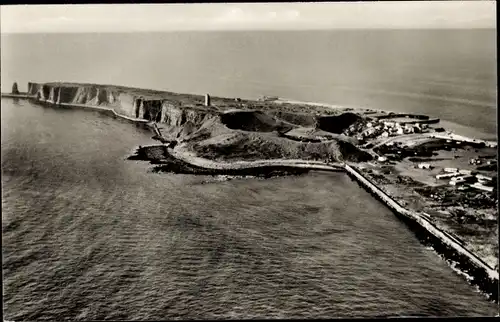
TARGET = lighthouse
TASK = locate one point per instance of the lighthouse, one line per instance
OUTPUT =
(207, 100)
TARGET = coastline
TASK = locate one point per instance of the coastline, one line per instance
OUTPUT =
(462, 130)
(483, 274)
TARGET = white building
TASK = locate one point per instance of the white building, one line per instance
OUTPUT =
(463, 171)
(382, 159)
(400, 131)
(481, 187)
(424, 166)
(450, 170)
(385, 135)
(369, 124)
(484, 182)
(475, 161)
(446, 175)
(483, 177)
(370, 131)
(461, 178)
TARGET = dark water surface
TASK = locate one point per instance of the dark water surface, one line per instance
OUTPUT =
(450, 74)
(90, 235)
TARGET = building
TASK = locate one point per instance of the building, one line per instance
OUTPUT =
(481, 187)
(409, 128)
(389, 124)
(400, 131)
(382, 159)
(369, 124)
(446, 175)
(484, 182)
(370, 131)
(475, 161)
(207, 100)
(455, 183)
(385, 135)
(462, 178)
(424, 166)
(483, 177)
(463, 171)
(450, 170)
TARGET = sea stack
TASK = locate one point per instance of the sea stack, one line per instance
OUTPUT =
(15, 90)
(207, 100)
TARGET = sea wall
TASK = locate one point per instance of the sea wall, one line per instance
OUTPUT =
(483, 276)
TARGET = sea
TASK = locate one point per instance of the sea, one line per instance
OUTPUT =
(90, 235)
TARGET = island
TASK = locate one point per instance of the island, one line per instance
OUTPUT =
(443, 185)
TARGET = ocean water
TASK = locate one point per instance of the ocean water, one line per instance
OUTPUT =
(89, 235)
(449, 74)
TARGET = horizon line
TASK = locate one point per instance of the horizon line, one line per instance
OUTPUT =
(248, 29)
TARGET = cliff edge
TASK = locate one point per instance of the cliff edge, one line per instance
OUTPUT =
(218, 128)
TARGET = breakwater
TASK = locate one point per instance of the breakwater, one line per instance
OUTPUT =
(480, 274)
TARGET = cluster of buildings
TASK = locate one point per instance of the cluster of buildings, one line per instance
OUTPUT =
(389, 128)
(460, 177)
(479, 161)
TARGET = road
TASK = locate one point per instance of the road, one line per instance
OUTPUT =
(180, 152)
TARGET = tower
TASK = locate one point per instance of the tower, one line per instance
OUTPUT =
(207, 100)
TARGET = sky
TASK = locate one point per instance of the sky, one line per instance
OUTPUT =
(246, 16)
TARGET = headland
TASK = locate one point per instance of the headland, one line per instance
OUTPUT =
(443, 185)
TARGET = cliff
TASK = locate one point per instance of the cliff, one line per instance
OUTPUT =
(229, 129)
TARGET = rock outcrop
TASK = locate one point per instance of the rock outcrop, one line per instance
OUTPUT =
(15, 90)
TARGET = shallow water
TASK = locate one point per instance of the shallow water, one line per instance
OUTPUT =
(90, 235)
